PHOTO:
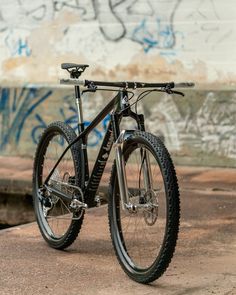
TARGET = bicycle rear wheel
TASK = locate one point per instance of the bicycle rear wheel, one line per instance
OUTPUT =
(144, 236)
(58, 223)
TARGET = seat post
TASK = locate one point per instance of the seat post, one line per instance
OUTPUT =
(79, 109)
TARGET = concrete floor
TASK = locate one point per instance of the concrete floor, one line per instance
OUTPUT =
(204, 261)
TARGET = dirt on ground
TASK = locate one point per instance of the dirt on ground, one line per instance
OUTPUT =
(204, 261)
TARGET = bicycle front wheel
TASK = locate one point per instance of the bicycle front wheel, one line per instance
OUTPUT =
(144, 234)
(58, 223)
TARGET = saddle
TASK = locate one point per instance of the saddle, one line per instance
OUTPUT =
(75, 70)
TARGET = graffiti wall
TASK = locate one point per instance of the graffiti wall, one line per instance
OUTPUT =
(199, 129)
(175, 39)
(26, 112)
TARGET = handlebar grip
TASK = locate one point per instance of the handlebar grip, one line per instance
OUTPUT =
(184, 84)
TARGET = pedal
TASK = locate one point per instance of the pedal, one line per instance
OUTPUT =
(97, 200)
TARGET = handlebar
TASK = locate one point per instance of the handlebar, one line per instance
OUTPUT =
(126, 85)
(129, 85)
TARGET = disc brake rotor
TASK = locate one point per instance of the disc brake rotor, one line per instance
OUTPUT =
(151, 212)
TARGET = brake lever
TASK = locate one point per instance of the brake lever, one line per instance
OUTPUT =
(91, 88)
(178, 92)
(170, 91)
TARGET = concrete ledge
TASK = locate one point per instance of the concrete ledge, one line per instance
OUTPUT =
(16, 176)
(16, 186)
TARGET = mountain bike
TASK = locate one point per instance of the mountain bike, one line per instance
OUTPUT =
(143, 194)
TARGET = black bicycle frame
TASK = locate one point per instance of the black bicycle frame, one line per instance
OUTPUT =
(90, 184)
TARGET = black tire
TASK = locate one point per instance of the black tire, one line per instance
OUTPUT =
(59, 226)
(145, 253)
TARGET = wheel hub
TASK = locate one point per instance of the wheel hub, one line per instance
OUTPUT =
(147, 203)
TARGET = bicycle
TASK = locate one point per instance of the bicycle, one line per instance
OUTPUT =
(143, 202)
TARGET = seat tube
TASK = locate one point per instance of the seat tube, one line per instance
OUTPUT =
(81, 128)
(79, 109)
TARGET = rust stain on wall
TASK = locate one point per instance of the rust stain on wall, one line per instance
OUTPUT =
(12, 63)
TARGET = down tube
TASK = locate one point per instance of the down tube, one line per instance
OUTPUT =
(99, 167)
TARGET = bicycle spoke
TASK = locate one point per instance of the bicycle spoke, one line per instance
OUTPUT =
(138, 234)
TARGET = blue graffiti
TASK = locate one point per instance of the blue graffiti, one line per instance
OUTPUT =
(23, 48)
(15, 108)
(162, 36)
(96, 135)
(69, 115)
(37, 130)
(17, 47)
(144, 37)
(16, 105)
